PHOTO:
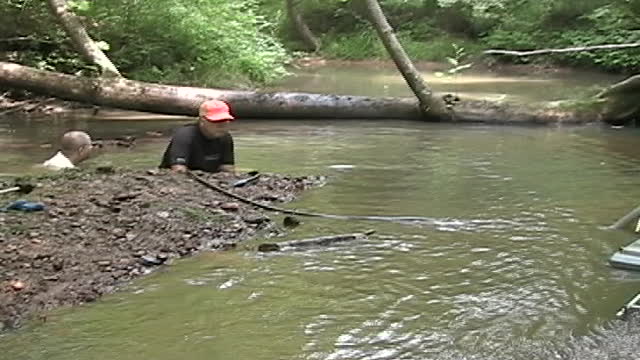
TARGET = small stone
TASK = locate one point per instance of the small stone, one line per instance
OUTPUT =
(230, 206)
(163, 214)
(118, 232)
(290, 221)
(268, 247)
(17, 285)
(58, 265)
(126, 196)
(104, 263)
(105, 170)
(256, 219)
(148, 260)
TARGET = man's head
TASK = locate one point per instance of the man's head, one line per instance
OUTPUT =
(76, 145)
(213, 118)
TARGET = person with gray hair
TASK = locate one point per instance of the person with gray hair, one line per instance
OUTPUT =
(75, 147)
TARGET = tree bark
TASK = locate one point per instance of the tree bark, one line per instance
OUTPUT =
(564, 50)
(318, 241)
(179, 100)
(301, 27)
(429, 104)
(621, 100)
(80, 38)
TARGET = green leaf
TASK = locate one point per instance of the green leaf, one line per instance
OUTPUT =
(81, 5)
(103, 45)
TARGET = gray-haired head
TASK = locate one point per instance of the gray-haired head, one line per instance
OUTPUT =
(76, 145)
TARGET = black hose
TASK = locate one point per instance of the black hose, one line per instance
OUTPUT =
(306, 213)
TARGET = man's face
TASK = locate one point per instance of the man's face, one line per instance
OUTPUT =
(85, 152)
(213, 129)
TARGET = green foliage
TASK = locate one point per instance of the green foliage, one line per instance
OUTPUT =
(427, 28)
(203, 42)
(455, 61)
(512, 39)
(366, 45)
(229, 43)
(607, 24)
(354, 46)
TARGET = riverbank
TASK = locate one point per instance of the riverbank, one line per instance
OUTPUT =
(103, 228)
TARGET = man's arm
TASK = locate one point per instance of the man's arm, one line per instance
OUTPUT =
(179, 150)
(179, 168)
(228, 168)
(228, 159)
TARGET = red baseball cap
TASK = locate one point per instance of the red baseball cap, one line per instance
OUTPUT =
(215, 111)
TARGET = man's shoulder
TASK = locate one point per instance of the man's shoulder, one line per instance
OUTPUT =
(58, 161)
(186, 130)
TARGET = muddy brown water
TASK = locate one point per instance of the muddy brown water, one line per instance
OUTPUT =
(517, 254)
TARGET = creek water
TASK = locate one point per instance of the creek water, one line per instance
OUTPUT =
(517, 254)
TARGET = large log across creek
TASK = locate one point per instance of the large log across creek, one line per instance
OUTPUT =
(182, 100)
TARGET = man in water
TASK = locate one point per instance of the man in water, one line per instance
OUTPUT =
(75, 147)
(205, 146)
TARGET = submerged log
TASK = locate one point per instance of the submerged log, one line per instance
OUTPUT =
(318, 241)
(182, 100)
(625, 220)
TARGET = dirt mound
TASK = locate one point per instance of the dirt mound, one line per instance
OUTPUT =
(100, 230)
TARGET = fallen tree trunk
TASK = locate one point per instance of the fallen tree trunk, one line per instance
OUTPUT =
(180, 100)
(621, 100)
(563, 50)
(318, 241)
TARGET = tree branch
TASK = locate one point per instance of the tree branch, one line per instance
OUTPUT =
(565, 50)
(80, 39)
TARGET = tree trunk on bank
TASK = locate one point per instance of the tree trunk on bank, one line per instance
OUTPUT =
(301, 27)
(80, 39)
(428, 102)
(621, 100)
(135, 95)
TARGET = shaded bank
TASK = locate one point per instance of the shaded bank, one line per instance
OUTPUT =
(100, 230)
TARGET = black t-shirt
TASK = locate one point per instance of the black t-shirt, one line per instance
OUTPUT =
(190, 148)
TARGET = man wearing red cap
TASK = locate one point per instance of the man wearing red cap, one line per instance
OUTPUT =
(205, 146)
